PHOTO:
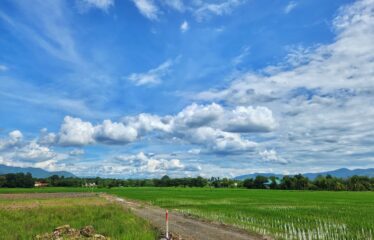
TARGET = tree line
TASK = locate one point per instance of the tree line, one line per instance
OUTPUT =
(17, 180)
(296, 182)
(299, 182)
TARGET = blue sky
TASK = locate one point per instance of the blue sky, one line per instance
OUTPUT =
(143, 88)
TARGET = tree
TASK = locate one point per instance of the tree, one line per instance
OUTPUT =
(359, 183)
(259, 182)
(248, 183)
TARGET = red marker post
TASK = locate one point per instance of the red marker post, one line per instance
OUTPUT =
(167, 224)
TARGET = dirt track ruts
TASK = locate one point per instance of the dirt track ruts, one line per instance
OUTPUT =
(185, 227)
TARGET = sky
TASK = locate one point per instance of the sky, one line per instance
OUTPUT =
(144, 88)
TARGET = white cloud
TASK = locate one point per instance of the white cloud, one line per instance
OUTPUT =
(218, 141)
(33, 152)
(100, 4)
(75, 132)
(18, 152)
(147, 8)
(115, 133)
(196, 115)
(175, 4)
(184, 26)
(249, 119)
(16, 135)
(47, 26)
(145, 163)
(240, 58)
(205, 9)
(47, 138)
(145, 123)
(272, 157)
(14, 139)
(291, 6)
(321, 95)
(153, 76)
(210, 126)
(76, 152)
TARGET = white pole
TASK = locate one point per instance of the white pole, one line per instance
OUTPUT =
(167, 224)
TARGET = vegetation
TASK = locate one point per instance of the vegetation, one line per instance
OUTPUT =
(296, 182)
(25, 218)
(17, 180)
(281, 214)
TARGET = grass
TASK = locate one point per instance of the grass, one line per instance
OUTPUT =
(281, 214)
(25, 218)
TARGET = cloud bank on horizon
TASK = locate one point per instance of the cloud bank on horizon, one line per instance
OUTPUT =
(143, 88)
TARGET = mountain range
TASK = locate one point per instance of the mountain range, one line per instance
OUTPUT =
(36, 172)
(340, 173)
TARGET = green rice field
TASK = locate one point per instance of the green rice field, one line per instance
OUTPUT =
(281, 214)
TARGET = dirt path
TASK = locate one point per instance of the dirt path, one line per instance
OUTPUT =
(184, 227)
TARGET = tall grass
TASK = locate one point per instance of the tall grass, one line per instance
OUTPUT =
(23, 219)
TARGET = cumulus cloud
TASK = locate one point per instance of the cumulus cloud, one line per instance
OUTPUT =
(218, 141)
(196, 115)
(114, 133)
(144, 163)
(20, 152)
(145, 123)
(184, 26)
(272, 157)
(147, 8)
(33, 152)
(321, 95)
(47, 138)
(15, 135)
(211, 126)
(153, 76)
(14, 139)
(75, 132)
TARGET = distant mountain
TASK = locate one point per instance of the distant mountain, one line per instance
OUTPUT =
(341, 173)
(36, 172)
(254, 175)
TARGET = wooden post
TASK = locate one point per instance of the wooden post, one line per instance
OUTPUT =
(167, 224)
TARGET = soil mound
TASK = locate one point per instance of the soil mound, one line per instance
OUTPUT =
(66, 232)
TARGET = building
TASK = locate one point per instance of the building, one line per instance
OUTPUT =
(270, 182)
(90, 185)
(40, 184)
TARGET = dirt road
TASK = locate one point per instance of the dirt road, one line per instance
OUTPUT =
(183, 227)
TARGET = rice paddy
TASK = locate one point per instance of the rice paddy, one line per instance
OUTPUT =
(281, 214)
